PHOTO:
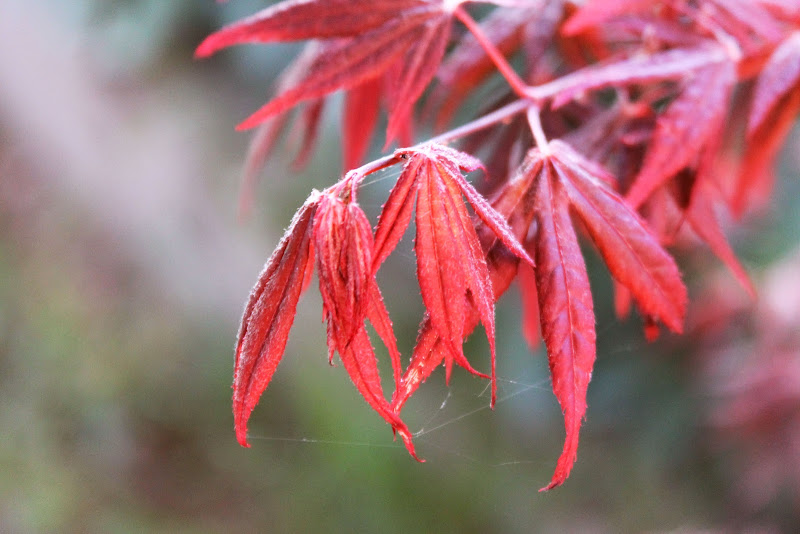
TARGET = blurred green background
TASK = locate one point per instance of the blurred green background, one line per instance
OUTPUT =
(123, 272)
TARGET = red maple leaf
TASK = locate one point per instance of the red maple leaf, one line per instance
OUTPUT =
(451, 268)
(642, 88)
(342, 237)
(405, 39)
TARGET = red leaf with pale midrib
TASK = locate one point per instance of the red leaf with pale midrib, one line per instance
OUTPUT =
(429, 351)
(439, 265)
(632, 253)
(268, 318)
(567, 317)
(476, 272)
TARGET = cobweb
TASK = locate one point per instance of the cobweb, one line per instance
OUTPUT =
(441, 417)
(458, 406)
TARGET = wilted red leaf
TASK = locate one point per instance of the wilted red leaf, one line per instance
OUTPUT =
(269, 315)
(343, 243)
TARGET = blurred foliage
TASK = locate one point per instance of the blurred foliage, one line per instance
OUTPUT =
(116, 342)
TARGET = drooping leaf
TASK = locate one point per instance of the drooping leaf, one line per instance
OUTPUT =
(439, 263)
(263, 142)
(363, 41)
(416, 71)
(310, 119)
(477, 283)
(776, 104)
(430, 350)
(566, 312)
(756, 176)
(378, 315)
(396, 213)
(703, 220)
(358, 358)
(343, 243)
(268, 317)
(530, 306)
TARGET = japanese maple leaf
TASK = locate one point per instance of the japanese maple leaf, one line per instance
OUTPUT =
(546, 189)
(685, 129)
(513, 204)
(451, 268)
(371, 38)
(632, 254)
(342, 235)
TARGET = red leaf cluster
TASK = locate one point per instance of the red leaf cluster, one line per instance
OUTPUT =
(622, 127)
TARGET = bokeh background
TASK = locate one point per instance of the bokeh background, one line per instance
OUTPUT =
(123, 272)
